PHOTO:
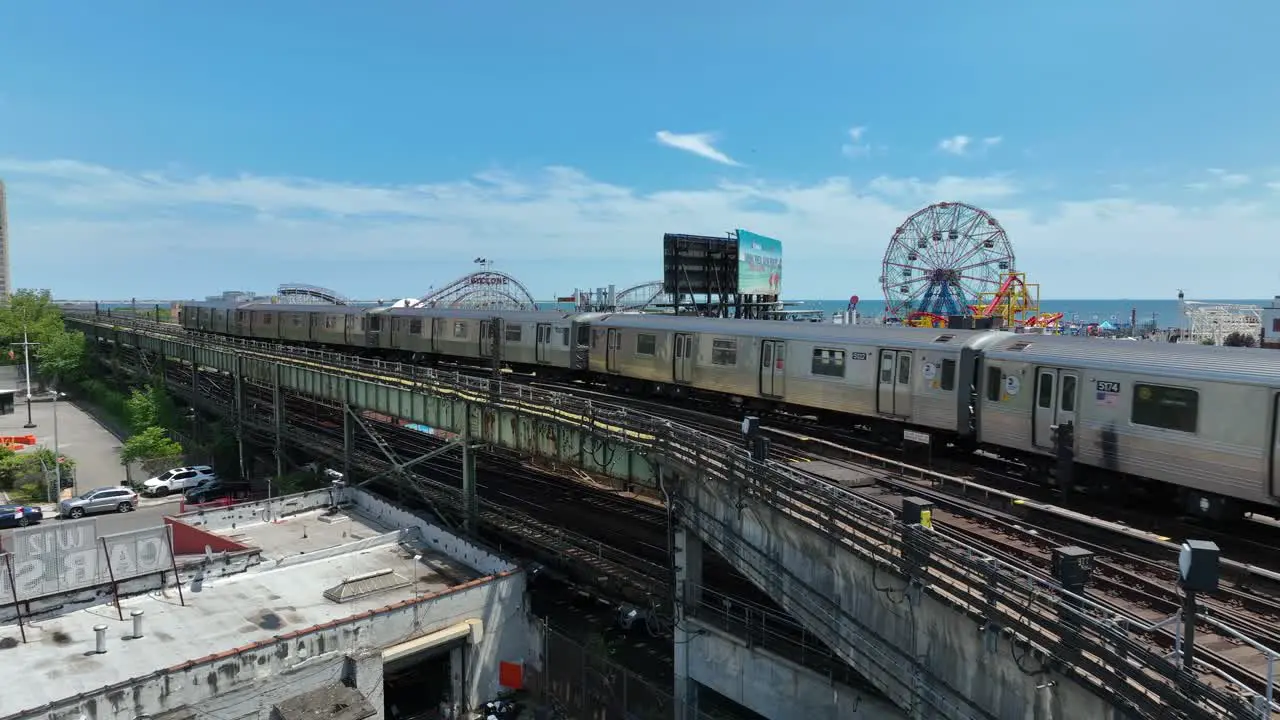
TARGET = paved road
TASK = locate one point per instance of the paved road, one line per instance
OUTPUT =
(149, 514)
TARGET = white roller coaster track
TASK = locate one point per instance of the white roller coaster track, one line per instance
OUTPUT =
(1214, 322)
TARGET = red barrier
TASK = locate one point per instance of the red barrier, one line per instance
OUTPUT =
(191, 540)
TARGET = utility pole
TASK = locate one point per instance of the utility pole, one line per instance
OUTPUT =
(26, 361)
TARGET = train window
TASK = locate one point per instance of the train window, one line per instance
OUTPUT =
(646, 344)
(564, 336)
(375, 323)
(415, 327)
(514, 332)
(266, 318)
(948, 374)
(459, 329)
(724, 352)
(1067, 403)
(829, 363)
(239, 316)
(297, 319)
(1044, 392)
(994, 380)
(584, 335)
(1165, 407)
(329, 321)
(904, 368)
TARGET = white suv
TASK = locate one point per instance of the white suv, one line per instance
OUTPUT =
(178, 480)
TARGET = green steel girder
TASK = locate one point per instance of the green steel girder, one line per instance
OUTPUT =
(575, 440)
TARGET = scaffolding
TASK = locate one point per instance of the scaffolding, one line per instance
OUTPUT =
(1212, 323)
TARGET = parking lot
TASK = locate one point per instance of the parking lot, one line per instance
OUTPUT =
(95, 450)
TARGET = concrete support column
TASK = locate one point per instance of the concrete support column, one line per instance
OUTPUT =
(195, 373)
(687, 596)
(469, 494)
(457, 681)
(240, 407)
(277, 417)
(363, 671)
(348, 440)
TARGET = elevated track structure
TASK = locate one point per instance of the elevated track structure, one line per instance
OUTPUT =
(939, 625)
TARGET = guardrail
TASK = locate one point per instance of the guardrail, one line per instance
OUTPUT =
(1108, 650)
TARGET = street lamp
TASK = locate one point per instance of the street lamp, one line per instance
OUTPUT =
(26, 362)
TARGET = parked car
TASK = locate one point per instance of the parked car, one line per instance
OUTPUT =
(178, 479)
(19, 515)
(216, 489)
(106, 499)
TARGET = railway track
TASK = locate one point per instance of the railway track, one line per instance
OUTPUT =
(1141, 588)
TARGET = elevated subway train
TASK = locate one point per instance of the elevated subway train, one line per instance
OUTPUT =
(1197, 421)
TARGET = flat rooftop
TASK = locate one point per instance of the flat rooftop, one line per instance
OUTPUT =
(303, 556)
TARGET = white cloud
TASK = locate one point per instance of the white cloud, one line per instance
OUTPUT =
(700, 144)
(1274, 186)
(855, 147)
(992, 141)
(1229, 179)
(94, 231)
(956, 145)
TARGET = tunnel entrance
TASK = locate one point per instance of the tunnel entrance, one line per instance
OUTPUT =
(421, 685)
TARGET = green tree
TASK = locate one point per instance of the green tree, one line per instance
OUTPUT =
(140, 410)
(62, 358)
(1239, 339)
(149, 444)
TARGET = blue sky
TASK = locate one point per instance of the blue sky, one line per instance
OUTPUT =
(178, 149)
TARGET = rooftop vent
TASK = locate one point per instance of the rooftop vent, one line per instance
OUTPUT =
(359, 586)
(944, 338)
(1020, 346)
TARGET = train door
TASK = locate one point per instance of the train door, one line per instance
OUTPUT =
(486, 338)
(893, 390)
(1057, 393)
(773, 364)
(613, 342)
(682, 358)
(1275, 446)
(542, 344)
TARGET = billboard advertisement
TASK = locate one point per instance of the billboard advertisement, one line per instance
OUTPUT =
(759, 264)
(52, 559)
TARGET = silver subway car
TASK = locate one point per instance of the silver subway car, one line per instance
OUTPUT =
(1202, 418)
(917, 377)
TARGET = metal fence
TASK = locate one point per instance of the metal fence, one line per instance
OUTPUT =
(1112, 647)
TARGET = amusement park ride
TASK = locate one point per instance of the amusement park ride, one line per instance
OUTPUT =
(952, 262)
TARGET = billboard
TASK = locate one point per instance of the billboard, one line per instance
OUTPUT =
(699, 265)
(53, 559)
(759, 264)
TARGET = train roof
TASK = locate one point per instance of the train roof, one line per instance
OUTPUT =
(304, 307)
(799, 331)
(216, 304)
(1175, 360)
(465, 314)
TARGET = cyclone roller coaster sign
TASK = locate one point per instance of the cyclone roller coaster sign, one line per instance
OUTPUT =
(51, 559)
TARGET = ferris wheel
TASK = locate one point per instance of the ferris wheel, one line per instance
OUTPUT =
(942, 259)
